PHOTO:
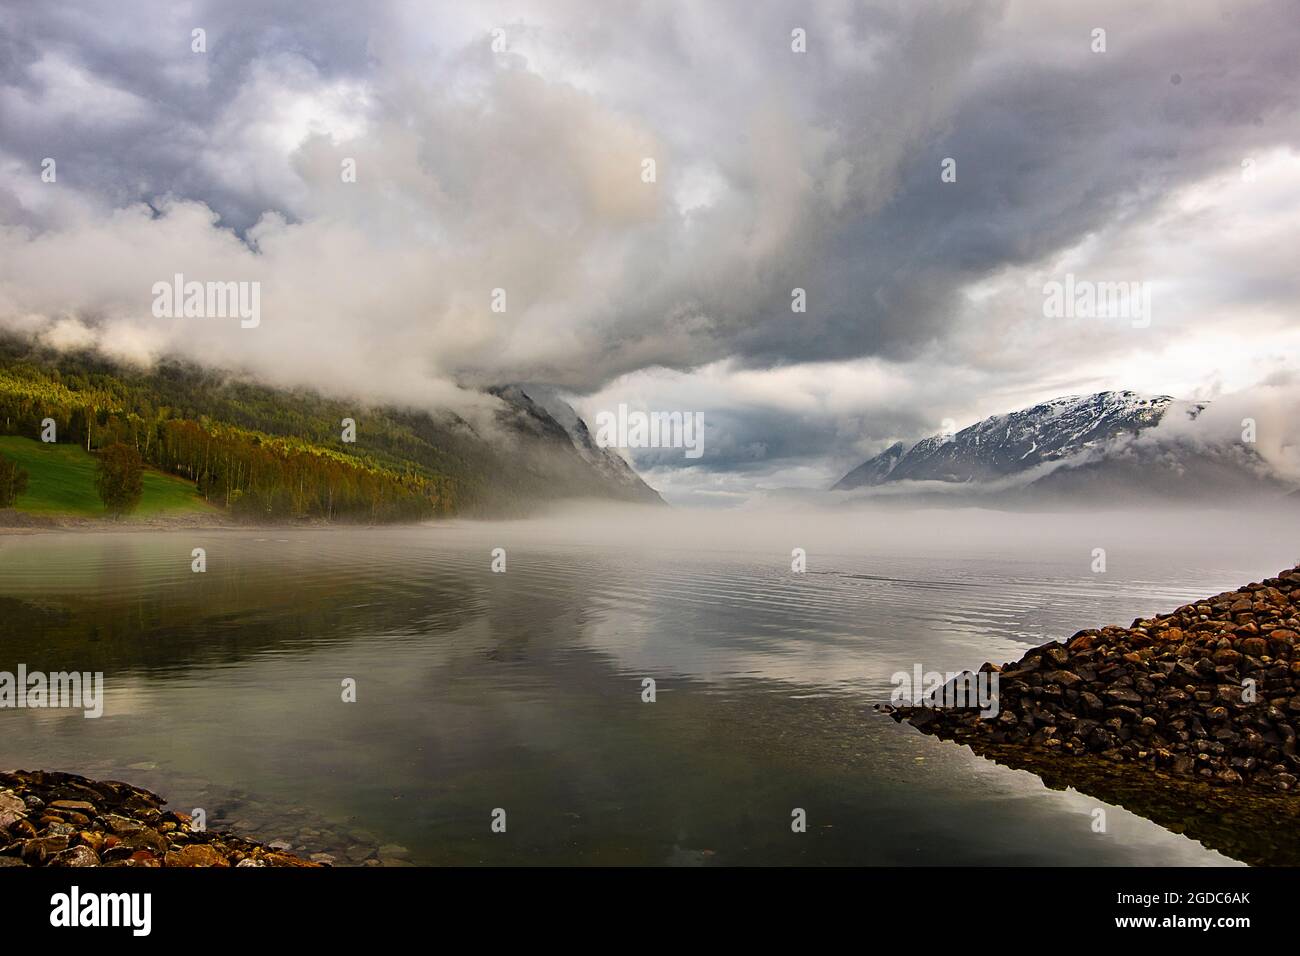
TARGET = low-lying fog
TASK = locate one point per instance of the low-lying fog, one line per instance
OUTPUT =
(1267, 538)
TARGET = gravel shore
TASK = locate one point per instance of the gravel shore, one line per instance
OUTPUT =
(1209, 691)
(62, 819)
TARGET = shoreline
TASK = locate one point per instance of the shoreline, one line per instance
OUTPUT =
(20, 524)
(1180, 712)
(50, 818)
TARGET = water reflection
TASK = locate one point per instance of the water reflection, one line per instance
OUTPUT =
(523, 691)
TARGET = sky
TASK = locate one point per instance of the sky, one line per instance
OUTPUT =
(922, 172)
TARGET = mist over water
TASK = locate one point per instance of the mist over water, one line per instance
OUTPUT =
(523, 690)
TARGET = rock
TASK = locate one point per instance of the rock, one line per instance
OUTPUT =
(1255, 646)
(76, 856)
(1166, 692)
(122, 826)
(65, 820)
(1091, 701)
(146, 839)
(924, 716)
(41, 850)
(1066, 679)
(1183, 764)
(195, 855)
(1124, 695)
(80, 806)
(276, 858)
(12, 809)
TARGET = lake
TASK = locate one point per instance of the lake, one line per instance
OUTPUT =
(523, 691)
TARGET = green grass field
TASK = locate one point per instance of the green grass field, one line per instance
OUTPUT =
(61, 481)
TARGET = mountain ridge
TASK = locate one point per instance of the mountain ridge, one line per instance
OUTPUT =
(285, 453)
(1072, 444)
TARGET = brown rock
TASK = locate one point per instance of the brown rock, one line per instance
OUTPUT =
(80, 806)
(1166, 691)
(12, 809)
(1254, 646)
(76, 856)
(285, 859)
(198, 854)
(122, 826)
(40, 851)
(1124, 695)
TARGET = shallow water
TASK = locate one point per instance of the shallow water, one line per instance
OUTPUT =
(523, 691)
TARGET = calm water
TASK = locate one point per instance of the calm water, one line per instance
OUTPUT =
(522, 690)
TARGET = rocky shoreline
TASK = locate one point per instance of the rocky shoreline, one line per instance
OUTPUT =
(1210, 691)
(66, 820)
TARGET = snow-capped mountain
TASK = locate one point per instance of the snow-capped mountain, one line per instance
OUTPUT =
(1072, 444)
(874, 470)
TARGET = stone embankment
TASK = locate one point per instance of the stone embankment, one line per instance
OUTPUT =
(1211, 690)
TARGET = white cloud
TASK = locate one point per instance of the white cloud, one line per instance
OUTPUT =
(520, 170)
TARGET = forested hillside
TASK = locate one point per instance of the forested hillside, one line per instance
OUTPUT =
(268, 453)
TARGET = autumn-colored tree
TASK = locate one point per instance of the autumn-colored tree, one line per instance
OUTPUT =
(259, 452)
(120, 478)
(13, 482)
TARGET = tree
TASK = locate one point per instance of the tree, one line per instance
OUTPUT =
(120, 478)
(13, 482)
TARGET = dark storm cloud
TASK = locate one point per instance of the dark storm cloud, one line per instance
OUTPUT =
(520, 169)
(1047, 150)
(142, 52)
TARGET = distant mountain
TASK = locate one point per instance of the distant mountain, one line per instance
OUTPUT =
(547, 416)
(873, 471)
(1070, 445)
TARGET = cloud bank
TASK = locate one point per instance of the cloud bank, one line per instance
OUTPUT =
(503, 147)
